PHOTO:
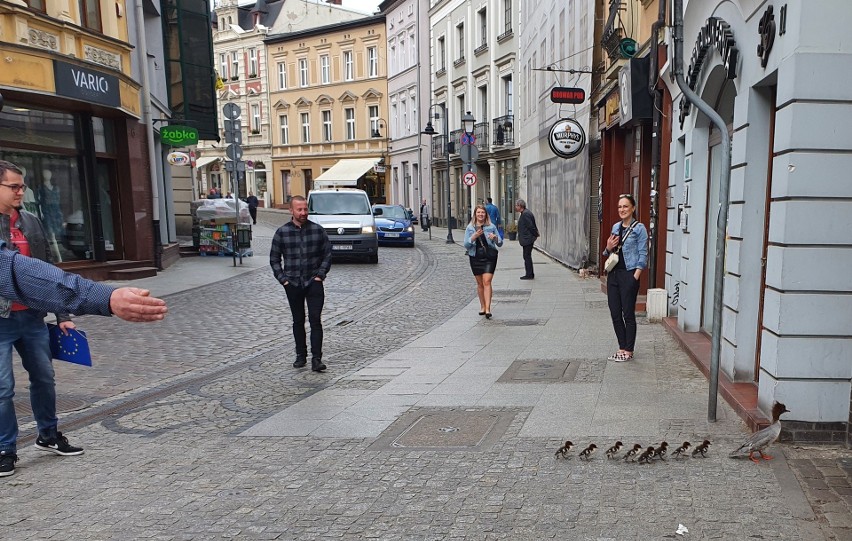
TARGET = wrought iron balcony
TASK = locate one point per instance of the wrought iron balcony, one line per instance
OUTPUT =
(505, 35)
(504, 130)
(455, 138)
(458, 61)
(438, 147)
(481, 49)
(480, 131)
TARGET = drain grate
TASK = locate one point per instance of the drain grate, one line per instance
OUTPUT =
(445, 429)
(521, 322)
(540, 371)
(64, 404)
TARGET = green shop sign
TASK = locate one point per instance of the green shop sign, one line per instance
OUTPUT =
(179, 135)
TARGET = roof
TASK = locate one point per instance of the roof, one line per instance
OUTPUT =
(355, 23)
(346, 172)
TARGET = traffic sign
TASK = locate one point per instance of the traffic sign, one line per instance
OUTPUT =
(234, 152)
(232, 111)
(469, 153)
(468, 139)
(469, 178)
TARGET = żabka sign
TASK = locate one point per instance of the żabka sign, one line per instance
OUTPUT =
(715, 33)
(178, 136)
(85, 84)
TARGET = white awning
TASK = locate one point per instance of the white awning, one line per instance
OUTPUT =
(204, 162)
(345, 172)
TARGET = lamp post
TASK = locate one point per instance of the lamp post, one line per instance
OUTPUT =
(430, 131)
(468, 122)
(377, 134)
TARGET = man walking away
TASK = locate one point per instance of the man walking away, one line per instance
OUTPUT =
(252, 204)
(494, 215)
(424, 216)
(300, 259)
(527, 233)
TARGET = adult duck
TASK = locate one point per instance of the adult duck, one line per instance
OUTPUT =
(762, 439)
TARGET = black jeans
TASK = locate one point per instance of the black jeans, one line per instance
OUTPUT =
(621, 291)
(528, 265)
(314, 297)
(253, 214)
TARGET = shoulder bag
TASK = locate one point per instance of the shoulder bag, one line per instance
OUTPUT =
(612, 260)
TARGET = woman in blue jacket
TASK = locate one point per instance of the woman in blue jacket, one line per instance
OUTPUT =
(629, 239)
(481, 240)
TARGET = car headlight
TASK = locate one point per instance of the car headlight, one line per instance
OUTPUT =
(368, 229)
(410, 229)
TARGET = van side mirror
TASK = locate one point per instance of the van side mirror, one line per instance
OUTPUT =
(377, 212)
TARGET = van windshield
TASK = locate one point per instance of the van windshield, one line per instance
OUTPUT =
(338, 203)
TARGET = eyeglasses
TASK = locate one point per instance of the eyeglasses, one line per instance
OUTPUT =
(16, 187)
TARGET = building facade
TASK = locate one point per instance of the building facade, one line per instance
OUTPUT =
(555, 39)
(775, 72)
(329, 101)
(474, 70)
(408, 82)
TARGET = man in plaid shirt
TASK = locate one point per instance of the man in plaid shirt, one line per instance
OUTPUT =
(300, 259)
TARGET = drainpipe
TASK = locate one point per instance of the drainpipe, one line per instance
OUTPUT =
(724, 191)
(656, 141)
(142, 51)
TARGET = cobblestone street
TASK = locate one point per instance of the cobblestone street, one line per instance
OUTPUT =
(199, 428)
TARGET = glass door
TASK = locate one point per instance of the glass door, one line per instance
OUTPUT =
(110, 208)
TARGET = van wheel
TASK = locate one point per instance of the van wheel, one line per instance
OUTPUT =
(373, 259)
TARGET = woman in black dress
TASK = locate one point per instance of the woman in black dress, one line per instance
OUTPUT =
(481, 240)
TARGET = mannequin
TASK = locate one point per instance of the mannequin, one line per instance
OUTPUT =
(51, 212)
(30, 201)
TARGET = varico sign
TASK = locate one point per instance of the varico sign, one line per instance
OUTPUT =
(178, 136)
(86, 84)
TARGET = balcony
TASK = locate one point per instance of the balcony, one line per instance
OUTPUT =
(438, 147)
(441, 72)
(480, 131)
(458, 62)
(455, 138)
(505, 36)
(504, 130)
(481, 49)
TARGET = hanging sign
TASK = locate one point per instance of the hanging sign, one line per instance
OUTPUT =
(178, 136)
(178, 158)
(567, 94)
(567, 138)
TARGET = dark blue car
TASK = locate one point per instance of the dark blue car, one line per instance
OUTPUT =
(394, 226)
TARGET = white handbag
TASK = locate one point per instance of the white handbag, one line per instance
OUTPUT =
(612, 260)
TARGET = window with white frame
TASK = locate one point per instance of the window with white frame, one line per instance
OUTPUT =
(326, 126)
(350, 124)
(483, 102)
(394, 117)
(325, 69)
(255, 118)
(252, 58)
(414, 118)
(223, 66)
(235, 64)
(303, 72)
(412, 49)
(284, 126)
(442, 53)
(460, 34)
(392, 57)
(507, 93)
(348, 66)
(483, 26)
(403, 57)
(507, 16)
(372, 62)
(282, 75)
(306, 127)
(403, 105)
(373, 113)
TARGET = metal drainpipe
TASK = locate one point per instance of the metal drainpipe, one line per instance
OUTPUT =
(724, 191)
(142, 51)
(656, 142)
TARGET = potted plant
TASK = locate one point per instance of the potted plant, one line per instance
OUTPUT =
(512, 231)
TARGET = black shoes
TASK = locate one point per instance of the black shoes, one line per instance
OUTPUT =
(487, 315)
(317, 364)
(58, 446)
(527, 277)
(7, 463)
(301, 360)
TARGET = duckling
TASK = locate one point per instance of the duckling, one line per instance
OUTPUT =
(661, 450)
(701, 449)
(612, 451)
(647, 456)
(681, 450)
(586, 453)
(630, 455)
(563, 451)
(764, 438)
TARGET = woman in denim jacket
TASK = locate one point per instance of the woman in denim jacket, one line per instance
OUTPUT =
(481, 240)
(629, 239)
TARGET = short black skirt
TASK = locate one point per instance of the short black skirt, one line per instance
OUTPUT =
(483, 265)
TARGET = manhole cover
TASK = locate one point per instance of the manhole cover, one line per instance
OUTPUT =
(540, 371)
(521, 322)
(445, 429)
(63, 404)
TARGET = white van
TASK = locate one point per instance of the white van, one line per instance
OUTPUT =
(346, 215)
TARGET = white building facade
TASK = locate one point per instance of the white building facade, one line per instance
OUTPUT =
(777, 75)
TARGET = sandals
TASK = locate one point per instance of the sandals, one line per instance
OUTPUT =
(620, 357)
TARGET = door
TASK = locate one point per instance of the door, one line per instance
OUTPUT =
(110, 209)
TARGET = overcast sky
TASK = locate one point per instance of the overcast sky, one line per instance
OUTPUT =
(367, 6)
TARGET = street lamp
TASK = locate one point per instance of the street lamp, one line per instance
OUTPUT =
(377, 134)
(430, 131)
(468, 122)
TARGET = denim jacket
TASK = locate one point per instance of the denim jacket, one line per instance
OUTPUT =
(634, 250)
(470, 245)
(33, 230)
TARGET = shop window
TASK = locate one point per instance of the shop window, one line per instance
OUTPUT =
(90, 14)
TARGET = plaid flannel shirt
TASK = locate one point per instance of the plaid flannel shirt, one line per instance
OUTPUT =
(300, 254)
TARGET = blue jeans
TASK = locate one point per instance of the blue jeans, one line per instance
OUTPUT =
(26, 330)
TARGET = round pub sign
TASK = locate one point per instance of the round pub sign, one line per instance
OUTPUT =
(178, 136)
(567, 138)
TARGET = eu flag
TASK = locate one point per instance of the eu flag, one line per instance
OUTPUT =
(72, 347)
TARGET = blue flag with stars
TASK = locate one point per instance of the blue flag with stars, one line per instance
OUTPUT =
(72, 347)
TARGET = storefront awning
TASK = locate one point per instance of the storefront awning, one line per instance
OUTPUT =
(345, 172)
(204, 162)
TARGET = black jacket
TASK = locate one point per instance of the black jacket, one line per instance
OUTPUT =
(527, 230)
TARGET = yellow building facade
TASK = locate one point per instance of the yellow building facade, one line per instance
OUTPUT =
(328, 99)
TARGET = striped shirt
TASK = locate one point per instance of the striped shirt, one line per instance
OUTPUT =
(43, 286)
(300, 254)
